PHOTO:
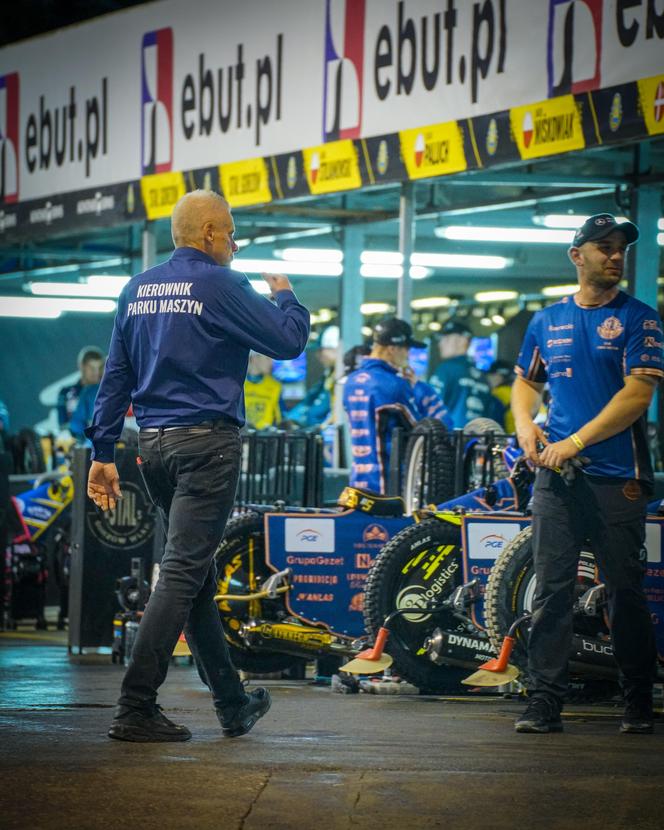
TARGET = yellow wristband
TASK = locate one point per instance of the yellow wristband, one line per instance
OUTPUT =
(578, 443)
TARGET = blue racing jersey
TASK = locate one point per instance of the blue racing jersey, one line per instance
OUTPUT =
(585, 353)
(180, 346)
(377, 399)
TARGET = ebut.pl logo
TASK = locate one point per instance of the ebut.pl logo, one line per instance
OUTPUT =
(344, 63)
(157, 101)
(574, 46)
(9, 138)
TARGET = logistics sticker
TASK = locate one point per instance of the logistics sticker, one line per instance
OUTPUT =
(547, 128)
(436, 150)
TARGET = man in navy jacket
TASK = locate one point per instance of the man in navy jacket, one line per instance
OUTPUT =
(179, 353)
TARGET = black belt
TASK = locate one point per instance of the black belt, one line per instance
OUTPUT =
(192, 429)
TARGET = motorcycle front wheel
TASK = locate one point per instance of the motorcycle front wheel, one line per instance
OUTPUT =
(242, 569)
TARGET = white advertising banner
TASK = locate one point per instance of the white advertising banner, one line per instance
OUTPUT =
(176, 85)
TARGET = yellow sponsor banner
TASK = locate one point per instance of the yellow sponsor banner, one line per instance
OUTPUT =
(651, 98)
(332, 167)
(245, 182)
(436, 150)
(160, 192)
(547, 128)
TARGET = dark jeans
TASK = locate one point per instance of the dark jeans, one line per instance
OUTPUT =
(610, 514)
(191, 476)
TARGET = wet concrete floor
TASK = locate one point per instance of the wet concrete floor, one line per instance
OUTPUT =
(317, 760)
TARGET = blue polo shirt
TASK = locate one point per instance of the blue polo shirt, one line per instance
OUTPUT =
(585, 354)
(180, 346)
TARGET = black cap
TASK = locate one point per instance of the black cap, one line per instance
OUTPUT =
(501, 367)
(456, 327)
(601, 225)
(395, 332)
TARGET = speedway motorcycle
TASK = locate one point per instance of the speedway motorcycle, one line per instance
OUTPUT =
(291, 582)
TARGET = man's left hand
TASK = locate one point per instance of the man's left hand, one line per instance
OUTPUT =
(553, 455)
(104, 485)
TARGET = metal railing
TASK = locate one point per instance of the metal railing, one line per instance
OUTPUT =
(281, 466)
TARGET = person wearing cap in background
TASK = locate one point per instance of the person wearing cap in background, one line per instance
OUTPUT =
(501, 376)
(263, 403)
(464, 388)
(384, 387)
(601, 353)
(317, 405)
(90, 362)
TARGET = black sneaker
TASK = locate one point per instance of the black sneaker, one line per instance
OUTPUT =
(147, 727)
(239, 723)
(638, 717)
(542, 715)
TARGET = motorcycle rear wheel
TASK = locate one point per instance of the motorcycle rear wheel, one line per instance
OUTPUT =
(405, 570)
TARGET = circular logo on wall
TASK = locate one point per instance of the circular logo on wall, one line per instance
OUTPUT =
(291, 172)
(616, 112)
(492, 137)
(382, 157)
(129, 525)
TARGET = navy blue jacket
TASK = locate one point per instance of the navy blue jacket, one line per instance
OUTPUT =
(180, 346)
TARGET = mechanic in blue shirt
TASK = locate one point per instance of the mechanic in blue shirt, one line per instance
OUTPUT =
(381, 395)
(465, 389)
(601, 353)
(179, 353)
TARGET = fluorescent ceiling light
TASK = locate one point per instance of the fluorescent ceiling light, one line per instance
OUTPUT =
(495, 296)
(566, 220)
(391, 272)
(435, 325)
(560, 290)
(498, 319)
(660, 238)
(366, 331)
(660, 223)
(100, 286)
(384, 271)
(310, 254)
(381, 257)
(479, 262)
(278, 266)
(486, 321)
(28, 307)
(52, 307)
(470, 233)
(431, 302)
(375, 308)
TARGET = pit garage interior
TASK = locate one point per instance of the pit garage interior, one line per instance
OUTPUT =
(487, 245)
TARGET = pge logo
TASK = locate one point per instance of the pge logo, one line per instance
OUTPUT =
(574, 46)
(344, 61)
(9, 138)
(375, 533)
(157, 101)
(493, 542)
(308, 535)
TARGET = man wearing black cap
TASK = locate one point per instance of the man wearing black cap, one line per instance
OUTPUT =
(601, 353)
(380, 395)
(465, 389)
